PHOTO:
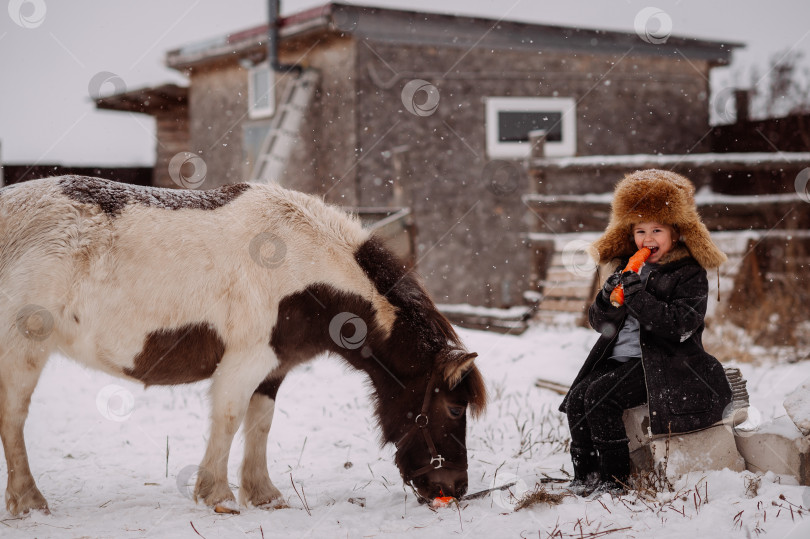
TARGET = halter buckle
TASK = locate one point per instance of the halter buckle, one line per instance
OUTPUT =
(417, 421)
(440, 459)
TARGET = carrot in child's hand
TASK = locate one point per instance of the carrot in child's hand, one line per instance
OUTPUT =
(634, 264)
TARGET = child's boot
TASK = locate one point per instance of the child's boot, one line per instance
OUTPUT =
(586, 470)
(614, 467)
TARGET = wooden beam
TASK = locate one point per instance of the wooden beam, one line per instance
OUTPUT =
(705, 161)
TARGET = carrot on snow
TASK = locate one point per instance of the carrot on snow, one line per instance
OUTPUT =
(442, 501)
(634, 264)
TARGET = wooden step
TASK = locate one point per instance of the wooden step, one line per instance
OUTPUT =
(567, 291)
(564, 305)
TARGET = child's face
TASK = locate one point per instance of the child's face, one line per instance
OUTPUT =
(657, 236)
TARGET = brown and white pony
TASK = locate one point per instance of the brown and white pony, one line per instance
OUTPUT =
(238, 284)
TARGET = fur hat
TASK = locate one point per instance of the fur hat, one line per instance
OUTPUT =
(655, 195)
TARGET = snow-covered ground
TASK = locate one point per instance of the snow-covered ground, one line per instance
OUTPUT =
(98, 448)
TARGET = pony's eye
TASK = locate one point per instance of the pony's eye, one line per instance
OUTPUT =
(456, 411)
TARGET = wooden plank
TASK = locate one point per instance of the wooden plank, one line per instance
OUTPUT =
(580, 292)
(562, 389)
(556, 274)
(512, 327)
(558, 318)
(564, 305)
(577, 259)
(711, 161)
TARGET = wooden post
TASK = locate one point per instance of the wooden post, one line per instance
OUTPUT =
(537, 142)
(741, 99)
(537, 150)
(398, 156)
(540, 257)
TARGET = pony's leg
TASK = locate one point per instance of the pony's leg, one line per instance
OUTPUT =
(255, 485)
(18, 378)
(232, 387)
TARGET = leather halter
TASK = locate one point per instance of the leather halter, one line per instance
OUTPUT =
(420, 424)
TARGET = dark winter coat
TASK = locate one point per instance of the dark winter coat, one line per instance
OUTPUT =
(687, 388)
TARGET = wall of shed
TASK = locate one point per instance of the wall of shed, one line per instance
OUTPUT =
(217, 99)
(323, 162)
(173, 137)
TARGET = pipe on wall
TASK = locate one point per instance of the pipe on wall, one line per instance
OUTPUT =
(273, 20)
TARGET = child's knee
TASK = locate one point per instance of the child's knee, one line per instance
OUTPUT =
(598, 397)
(593, 397)
(577, 393)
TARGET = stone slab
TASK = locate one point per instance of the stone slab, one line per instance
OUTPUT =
(776, 446)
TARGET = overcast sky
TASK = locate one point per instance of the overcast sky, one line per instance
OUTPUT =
(51, 51)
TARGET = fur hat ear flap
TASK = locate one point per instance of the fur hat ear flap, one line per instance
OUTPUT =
(655, 195)
(696, 237)
(614, 243)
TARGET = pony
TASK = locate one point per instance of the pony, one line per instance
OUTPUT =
(238, 284)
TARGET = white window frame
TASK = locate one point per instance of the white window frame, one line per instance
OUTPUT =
(254, 111)
(565, 105)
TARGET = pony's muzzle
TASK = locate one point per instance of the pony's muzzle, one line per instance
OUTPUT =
(444, 482)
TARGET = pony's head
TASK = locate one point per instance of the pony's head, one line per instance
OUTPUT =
(427, 421)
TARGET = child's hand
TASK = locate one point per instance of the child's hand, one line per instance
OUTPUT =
(610, 284)
(631, 282)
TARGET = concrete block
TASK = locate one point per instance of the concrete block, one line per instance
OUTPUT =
(709, 449)
(797, 406)
(636, 424)
(778, 447)
(641, 460)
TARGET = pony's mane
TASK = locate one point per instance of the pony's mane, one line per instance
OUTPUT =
(403, 290)
(416, 310)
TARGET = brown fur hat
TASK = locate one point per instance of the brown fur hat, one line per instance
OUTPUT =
(655, 195)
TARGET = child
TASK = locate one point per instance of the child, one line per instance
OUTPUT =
(650, 348)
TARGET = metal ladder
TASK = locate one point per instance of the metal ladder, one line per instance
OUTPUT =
(284, 127)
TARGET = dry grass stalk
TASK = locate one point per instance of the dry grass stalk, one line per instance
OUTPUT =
(752, 484)
(557, 532)
(768, 312)
(195, 529)
(304, 499)
(539, 495)
(648, 484)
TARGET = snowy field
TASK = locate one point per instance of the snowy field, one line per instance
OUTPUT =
(98, 448)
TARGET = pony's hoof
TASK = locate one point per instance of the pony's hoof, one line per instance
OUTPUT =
(23, 505)
(227, 507)
(215, 494)
(272, 505)
(266, 496)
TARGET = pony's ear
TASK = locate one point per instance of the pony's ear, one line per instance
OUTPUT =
(455, 364)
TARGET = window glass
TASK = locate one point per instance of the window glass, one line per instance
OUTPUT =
(514, 126)
(260, 86)
(510, 119)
